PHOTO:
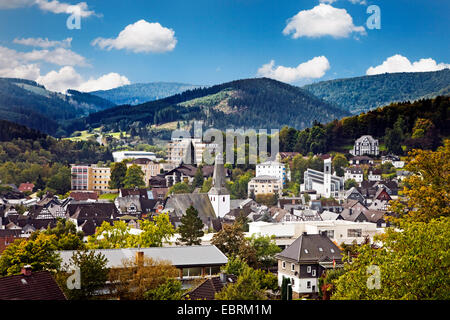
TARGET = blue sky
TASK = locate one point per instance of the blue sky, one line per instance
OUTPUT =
(213, 41)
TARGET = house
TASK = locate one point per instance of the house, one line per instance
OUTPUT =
(26, 187)
(307, 215)
(360, 160)
(87, 216)
(191, 261)
(305, 260)
(265, 185)
(378, 217)
(30, 285)
(395, 160)
(390, 186)
(354, 194)
(374, 175)
(328, 215)
(273, 169)
(354, 211)
(365, 145)
(135, 205)
(148, 167)
(325, 183)
(209, 287)
(186, 173)
(356, 173)
(84, 195)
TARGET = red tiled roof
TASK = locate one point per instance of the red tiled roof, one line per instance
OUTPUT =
(26, 187)
(36, 286)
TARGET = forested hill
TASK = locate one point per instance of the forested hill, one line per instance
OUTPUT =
(422, 124)
(259, 103)
(30, 104)
(362, 94)
(137, 93)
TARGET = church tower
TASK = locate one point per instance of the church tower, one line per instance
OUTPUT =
(219, 195)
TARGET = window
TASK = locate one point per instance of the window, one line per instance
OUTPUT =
(283, 264)
(308, 269)
(292, 267)
(314, 273)
(308, 284)
(330, 233)
(354, 232)
(320, 249)
(306, 250)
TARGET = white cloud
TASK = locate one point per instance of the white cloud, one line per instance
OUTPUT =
(399, 63)
(68, 78)
(108, 81)
(61, 7)
(312, 69)
(44, 43)
(322, 20)
(61, 80)
(141, 36)
(13, 4)
(12, 66)
(53, 6)
(58, 56)
(361, 2)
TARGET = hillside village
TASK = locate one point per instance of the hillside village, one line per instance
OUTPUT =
(311, 229)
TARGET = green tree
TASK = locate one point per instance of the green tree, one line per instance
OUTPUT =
(134, 177)
(118, 172)
(40, 253)
(93, 273)
(198, 178)
(67, 236)
(339, 163)
(191, 228)
(246, 287)
(169, 290)
(61, 181)
(413, 264)
(180, 187)
(266, 249)
(350, 183)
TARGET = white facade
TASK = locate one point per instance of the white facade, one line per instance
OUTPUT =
(339, 231)
(274, 169)
(374, 176)
(304, 285)
(365, 145)
(220, 203)
(121, 155)
(265, 185)
(351, 173)
(324, 183)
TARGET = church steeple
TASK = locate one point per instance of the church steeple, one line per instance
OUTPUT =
(219, 194)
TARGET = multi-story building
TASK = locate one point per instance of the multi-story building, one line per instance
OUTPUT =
(122, 155)
(91, 178)
(365, 145)
(274, 169)
(178, 148)
(149, 167)
(265, 185)
(324, 183)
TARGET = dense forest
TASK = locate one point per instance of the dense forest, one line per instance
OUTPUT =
(362, 94)
(137, 93)
(27, 155)
(254, 103)
(30, 104)
(421, 124)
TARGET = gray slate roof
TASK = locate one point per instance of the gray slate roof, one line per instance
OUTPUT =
(306, 249)
(178, 256)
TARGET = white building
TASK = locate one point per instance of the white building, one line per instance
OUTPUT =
(219, 194)
(121, 155)
(178, 148)
(374, 175)
(339, 231)
(355, 173)
(274, 169)
(365, 145)
(324, 183)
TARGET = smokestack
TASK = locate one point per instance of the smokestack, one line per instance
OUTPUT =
(26, 270)
(139, 258)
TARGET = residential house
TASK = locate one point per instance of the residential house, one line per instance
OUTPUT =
(356, 173)
(265, 185)
(273, 169)
(209, 287)
(26, 187)
(360, 160)
(365, 145)
(374, 174)
(305, 260)
(148, 167)
(30, 285)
